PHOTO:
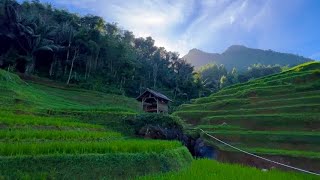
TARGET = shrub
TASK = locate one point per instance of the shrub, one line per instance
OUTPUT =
(162, 120)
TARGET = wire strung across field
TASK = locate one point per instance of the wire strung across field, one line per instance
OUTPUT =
(254, 155)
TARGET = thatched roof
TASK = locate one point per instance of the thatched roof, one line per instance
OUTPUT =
(155, 93)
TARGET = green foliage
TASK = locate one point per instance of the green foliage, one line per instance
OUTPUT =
(212, 77)
(305, 67)
(162, 120)
(258, 70)
(208, 169)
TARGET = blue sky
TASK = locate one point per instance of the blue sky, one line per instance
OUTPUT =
(213, 25)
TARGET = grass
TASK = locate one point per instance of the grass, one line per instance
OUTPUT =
(233, 104)
(219, 127)
(302, 121)
(208, 169)
(311, 108)
(13, 120)
(294, 153)
(37, 97)
(93, 166)
(263, 151)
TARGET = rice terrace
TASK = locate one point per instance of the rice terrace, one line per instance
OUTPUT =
(81, 97)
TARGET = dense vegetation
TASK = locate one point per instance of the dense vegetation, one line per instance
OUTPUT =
(212, 77)
(277, 114)
(50, 131)
(241, 57)
(41, 40)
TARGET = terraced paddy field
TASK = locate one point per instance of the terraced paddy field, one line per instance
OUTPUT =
(49, 131)
(276, 115)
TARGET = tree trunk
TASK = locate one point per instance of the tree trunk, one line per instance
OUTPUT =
(30, 66)
(68, 54)
(90, 66)
(111, 69)
(155, 75)
(96, 60)
(85, 73)
(51, 67)
(71, 68)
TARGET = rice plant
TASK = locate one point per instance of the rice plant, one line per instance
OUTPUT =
(209, 169)
(32, 135)
(70, 147)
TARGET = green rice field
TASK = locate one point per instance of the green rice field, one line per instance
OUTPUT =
(273, 115)
(50, 131)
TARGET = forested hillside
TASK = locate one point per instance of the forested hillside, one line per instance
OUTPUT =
(241, 57)
(37, 39)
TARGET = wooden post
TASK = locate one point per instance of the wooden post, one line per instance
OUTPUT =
(157, 106)
(142, 102)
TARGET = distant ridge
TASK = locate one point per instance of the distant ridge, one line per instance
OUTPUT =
(241, 57)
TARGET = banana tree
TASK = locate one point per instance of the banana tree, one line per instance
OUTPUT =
(27, 32)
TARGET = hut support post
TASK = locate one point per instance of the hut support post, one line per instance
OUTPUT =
(157, 106)
(142, 102)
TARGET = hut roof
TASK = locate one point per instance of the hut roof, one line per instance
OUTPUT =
(155, 93)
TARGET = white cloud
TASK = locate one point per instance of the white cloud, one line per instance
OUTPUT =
(164, 19)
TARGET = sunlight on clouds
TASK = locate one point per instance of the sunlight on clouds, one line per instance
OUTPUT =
(163, 19)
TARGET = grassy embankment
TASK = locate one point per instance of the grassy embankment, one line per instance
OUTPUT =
(52, 131)
(277, 114)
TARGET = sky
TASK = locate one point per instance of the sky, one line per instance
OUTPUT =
(291, 26)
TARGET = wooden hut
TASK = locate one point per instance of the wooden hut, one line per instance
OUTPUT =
(154, 102)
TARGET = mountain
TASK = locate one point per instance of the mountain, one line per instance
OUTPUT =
(241, 57)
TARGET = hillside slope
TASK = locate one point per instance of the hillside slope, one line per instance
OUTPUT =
(48, 131)
(274, 115)
(241, 57)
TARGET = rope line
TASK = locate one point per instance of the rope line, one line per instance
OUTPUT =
(254, 155)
